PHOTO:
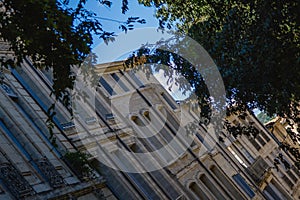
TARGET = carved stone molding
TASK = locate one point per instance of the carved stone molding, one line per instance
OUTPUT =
(48, 170)
(14, 181)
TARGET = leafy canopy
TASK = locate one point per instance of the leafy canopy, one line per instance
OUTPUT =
(54, 34)
(255, 45)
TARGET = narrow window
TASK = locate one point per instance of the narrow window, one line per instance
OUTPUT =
(147, 115)
(212, 187)
(254, 143)
(137, 120)
(197, 191)
(296, 170)
(134, 148)
(260, 140)
(263, 134)
(292, 176)
(287, 181)
(274, 191)
(137, 81)
(120, 82)
(107, 87)
(172, 104)
(245, 152)
(226, 183)
(237, 156)
(243, 184)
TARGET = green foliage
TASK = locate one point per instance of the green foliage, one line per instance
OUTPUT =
(237, 130)
(50, 124)
(251, 131)
(78, 161)
(281, 159)
(255, 45)
(54, 34)
(45, 31)
(295, 152)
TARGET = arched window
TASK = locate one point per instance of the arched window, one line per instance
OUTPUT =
(137, 120)
(147, 115)
(211, 186)
(197, 191)
(226, 182)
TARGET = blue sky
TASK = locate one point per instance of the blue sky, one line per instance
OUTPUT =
(131, 41)
(119, 49)
(114, 13)
(125, 43)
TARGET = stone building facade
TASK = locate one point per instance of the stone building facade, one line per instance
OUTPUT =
(272, 169)
(33, 165)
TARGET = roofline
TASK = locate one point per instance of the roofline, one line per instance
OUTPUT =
(110, 67)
